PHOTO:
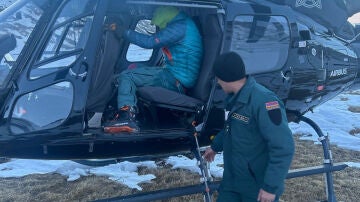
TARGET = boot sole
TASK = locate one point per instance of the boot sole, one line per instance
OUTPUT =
(119, 129)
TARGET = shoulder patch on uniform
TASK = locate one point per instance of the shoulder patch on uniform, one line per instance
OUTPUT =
(275, 116)
(272, 105)
(240, 117)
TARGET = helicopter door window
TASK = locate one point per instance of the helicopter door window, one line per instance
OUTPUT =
(42, 109)
(136, 53)
(63, 47)
(68, 38)
(16, 25)
(262, 41)
(52, 67)
(75, 8)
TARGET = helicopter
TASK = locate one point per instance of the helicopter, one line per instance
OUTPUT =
(60, 60)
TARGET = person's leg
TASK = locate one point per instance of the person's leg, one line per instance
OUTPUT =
(168, 81)
(229, 196)
(249, 197)
(130, 80)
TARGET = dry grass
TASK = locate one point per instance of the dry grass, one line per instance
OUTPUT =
(312, 188)
(53, 187)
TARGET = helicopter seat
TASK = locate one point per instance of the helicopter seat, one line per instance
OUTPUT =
(196, 97)
(162, 97)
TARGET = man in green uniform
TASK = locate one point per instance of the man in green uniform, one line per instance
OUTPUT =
(256, 141)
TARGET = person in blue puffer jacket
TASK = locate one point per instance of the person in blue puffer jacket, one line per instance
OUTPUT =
(182, 47)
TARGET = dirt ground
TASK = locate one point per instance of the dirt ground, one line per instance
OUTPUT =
(54, 187)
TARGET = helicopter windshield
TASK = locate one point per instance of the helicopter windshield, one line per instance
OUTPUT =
(16, 25)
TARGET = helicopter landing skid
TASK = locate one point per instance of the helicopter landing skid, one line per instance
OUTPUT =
(327, 168)
(328, 161)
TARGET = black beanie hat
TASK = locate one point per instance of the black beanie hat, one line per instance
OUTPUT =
(229, 67)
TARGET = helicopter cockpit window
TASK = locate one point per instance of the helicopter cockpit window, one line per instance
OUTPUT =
(136, 53)
(262, 41)
(75, 8)
(16, 25)
(42, 109)
(68, 39)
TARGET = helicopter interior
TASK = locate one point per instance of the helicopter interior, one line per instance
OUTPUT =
(159, 108)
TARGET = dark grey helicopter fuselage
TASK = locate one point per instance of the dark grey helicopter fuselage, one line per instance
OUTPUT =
(60, 74)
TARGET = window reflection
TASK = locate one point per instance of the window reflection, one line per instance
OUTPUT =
(262, 41)
(74, 8)
(68, 39)
(16, 25)
(136, 53)
(52, 67)
(42, 109)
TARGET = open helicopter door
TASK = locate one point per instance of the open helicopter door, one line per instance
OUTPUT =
(51, 91)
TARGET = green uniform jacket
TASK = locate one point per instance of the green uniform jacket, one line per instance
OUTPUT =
(257, 143)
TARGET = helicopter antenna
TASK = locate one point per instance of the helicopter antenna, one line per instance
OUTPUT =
(347, 42)
(354, 39)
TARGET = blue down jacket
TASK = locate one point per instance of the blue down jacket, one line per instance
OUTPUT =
(182, 47)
